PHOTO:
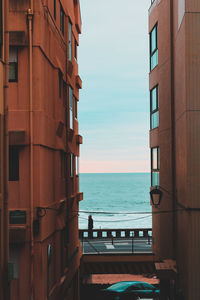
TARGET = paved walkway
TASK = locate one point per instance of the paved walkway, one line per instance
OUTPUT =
(123, 245)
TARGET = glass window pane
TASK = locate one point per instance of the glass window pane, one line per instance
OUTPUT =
(154, 60)
(13, 163)
(155, 120)
(70, 41)
(154, 158)
(71, 165)
(155, 178)
(13, 54)
(12, 72)
(154, 99)
(71, 107)
(61, 20)
(77, 165)
(153, 39)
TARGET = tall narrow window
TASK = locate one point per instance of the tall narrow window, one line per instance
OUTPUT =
(62, 18)
(54, 9)
(154, 47)
(155, 166)
(13, 163)
(77, 165)
(75, 49)
(154, 113)
(71, 165)
(71, 115)
(76, 108)
(70, 39)
(13, 65)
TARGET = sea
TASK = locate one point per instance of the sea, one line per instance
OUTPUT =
(115, 200)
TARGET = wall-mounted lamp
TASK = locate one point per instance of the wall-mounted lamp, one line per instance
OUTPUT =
(156, 196)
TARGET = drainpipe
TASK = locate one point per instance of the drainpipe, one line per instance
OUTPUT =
(173, 153)
(30, 30)
(6, 288)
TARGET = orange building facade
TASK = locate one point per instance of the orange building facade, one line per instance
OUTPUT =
(174, 131)
(42, 142)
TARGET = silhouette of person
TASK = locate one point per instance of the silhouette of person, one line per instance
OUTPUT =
(90, 226)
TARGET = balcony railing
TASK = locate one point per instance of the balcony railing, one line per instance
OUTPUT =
(115, 233)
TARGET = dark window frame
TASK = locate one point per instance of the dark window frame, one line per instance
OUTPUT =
(71, 165)
(75, 108)
(77, 165)
(75, 49)
(14, 64)
(70, 39)
(71, 107)
(156, 48)
(54, 9)
(157, 169)
(13, 163)
(157, 105)
(62, 20)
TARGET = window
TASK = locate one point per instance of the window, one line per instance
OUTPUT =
(77, 165)
(13, 163)
(155, 166)
(76, 108)
(71, 107)
(70, 39)
(154, 113)
(13, 65)
(75, 49)
(60, 83)
(54, 9)
(153, 48)
(62, 18)
(71, 165)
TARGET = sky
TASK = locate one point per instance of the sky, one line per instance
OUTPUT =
(113, 110)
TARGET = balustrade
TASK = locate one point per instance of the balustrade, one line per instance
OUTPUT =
(117, 233)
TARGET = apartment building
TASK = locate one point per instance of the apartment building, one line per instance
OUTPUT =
(174, 142)
(40, 183)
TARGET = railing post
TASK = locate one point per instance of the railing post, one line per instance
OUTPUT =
(136, 232)
(99, 234)
(109, 234)
(118, 233)
(127, 233)
(132, 242)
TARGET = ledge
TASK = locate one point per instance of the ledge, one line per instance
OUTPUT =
(78, 82)
(79, 196)
(79, 139)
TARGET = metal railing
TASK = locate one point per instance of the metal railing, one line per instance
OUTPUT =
(115, 233)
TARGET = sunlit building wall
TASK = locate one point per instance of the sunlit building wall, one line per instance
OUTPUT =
(174, 113)
(43, 149)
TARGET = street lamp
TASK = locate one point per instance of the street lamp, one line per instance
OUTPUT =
(156, 196)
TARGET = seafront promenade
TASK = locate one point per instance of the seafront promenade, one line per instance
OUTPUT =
(107, 241)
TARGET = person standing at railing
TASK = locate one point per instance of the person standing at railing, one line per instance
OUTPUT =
(90, 227)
